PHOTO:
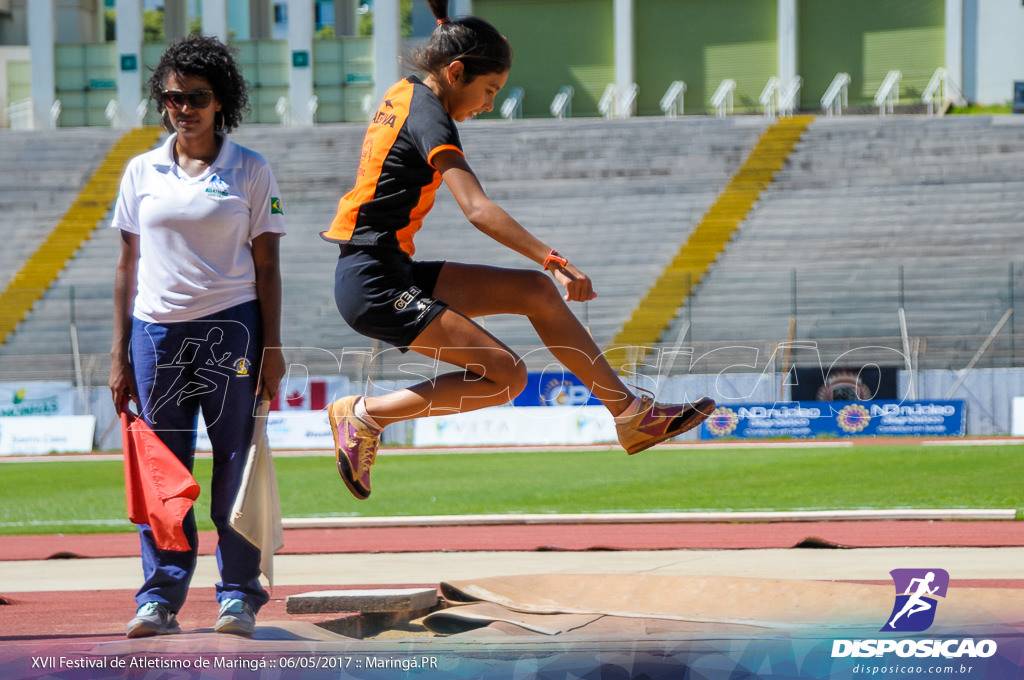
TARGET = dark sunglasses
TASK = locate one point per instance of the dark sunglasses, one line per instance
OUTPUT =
(196, 99)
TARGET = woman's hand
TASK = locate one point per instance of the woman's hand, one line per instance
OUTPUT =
(272, 370)
(578, 286)
(122, 385)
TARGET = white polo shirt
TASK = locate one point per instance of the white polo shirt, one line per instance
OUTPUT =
(195, 233)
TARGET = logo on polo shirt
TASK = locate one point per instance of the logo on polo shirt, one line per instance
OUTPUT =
(275, 206)
(217, 187)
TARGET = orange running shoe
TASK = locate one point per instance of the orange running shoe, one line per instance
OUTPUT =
(355, 446)
(654, 422)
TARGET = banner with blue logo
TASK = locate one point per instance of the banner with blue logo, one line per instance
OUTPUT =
(555, 388)
(879, 418)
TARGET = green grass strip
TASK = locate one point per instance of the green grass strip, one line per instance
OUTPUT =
(86, 497)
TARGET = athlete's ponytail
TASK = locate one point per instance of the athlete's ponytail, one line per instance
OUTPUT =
(470, 40)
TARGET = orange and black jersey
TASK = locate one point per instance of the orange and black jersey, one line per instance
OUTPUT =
(396, 182)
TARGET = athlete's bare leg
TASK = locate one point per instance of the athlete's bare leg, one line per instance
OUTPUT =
(494, 374)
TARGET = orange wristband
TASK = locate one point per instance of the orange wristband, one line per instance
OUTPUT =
(553, 256)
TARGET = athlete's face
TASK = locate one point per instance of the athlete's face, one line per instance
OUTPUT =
(190, 104)
(468, 99)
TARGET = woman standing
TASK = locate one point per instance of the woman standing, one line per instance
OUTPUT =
(411, 146)
(197, 304)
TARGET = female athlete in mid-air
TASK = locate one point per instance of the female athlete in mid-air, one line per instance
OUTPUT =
(411, 146)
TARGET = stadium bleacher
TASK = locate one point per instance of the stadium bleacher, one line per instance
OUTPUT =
(41, 174)
(869, 212)
(866, 211)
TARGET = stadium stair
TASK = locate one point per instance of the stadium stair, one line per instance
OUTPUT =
(41, 269)
(661, 304)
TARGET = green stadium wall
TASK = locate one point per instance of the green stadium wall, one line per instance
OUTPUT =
(571, 42)
(703, 43)
(556, 43)
(867, 39)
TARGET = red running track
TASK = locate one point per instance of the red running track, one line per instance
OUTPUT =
(96, 616)
(529, 537)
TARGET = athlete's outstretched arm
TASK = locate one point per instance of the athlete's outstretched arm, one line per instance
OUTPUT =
(491, 219)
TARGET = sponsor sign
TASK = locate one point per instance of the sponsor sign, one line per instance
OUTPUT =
(879, 418)
(555, 388)
(526, 425)
(36, 398)
(287, 430)
(35, 435)
(1017, 426)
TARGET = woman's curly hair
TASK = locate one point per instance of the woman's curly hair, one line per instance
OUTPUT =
(209, 58)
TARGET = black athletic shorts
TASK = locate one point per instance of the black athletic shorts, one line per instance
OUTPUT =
(383, 294)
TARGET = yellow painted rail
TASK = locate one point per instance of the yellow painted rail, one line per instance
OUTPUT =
(44, 265)
(660, 305)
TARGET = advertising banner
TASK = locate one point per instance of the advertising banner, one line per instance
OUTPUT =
(517, 426)
(36, 398)
(36, 435)
(287, 430)
(800, 419)
(555, 388)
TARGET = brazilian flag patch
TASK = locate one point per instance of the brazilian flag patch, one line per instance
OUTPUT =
(275, 206)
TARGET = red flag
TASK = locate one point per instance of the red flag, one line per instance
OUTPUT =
(159, 487)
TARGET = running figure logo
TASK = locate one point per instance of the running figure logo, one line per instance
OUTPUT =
(916, 592)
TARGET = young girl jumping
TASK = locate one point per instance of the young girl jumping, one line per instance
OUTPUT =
(411, 146)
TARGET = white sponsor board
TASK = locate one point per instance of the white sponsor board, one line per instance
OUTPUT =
(1017, 429)
(36, 398)
(32, 435)
(520, 425)
(288, 430)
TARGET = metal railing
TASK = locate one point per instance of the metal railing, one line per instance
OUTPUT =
(284, 111)
(722, 99)
(606, 105)
(998, 350)
(140, 113)
(835, 97)
(789, 97)
(561, 105)
(614, 104)
(113, 113)
(888, 95)
(672, 101)
(940, 92)
(627, 101)
(512, 107)
(21, 114)
(312, 106)
(769, 97)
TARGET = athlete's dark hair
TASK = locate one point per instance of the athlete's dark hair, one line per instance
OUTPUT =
(471, 40)
(209, 58)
